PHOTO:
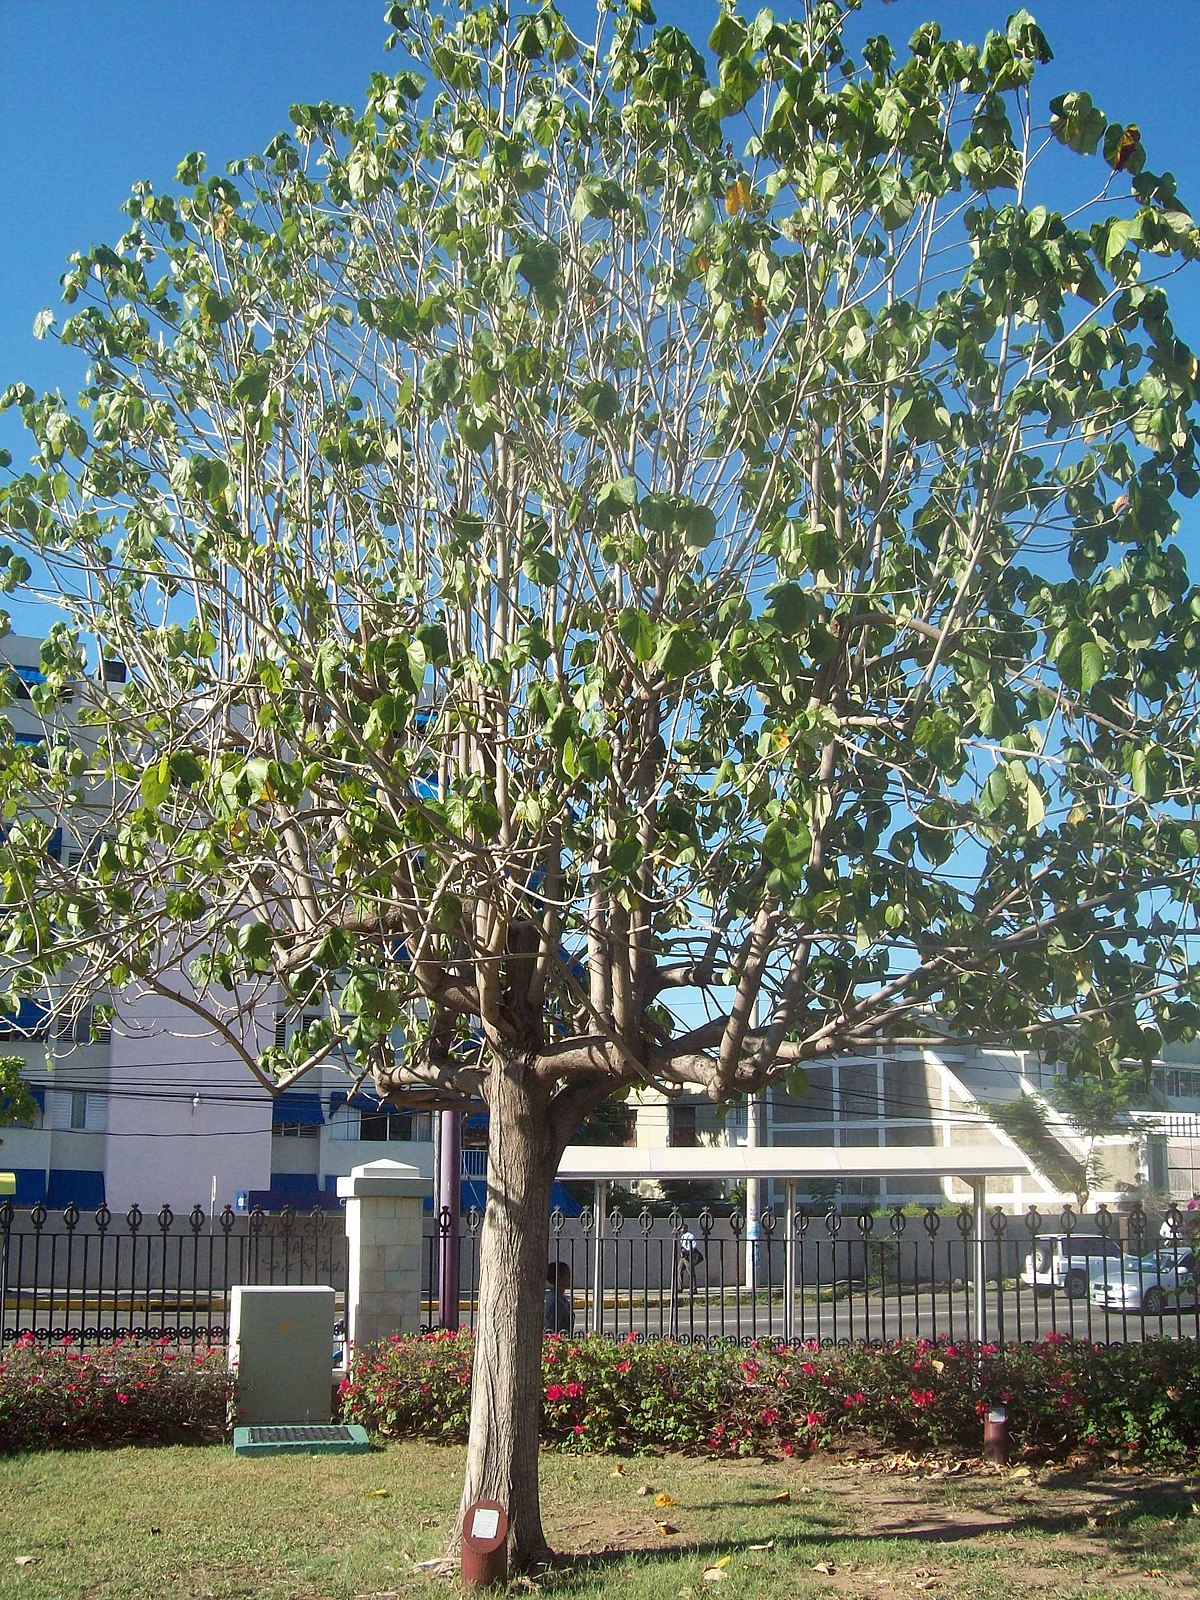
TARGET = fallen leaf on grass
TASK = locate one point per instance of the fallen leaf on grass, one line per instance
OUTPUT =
(618, 1471)
(666, 1527)
(1154, 1572)
(26, 1561)
(926, 1583)
(714, 1574)
(647, 1488)
(665, 1500)
(768, 1544)
(782, 1498)
(827, 1567)
(378, 1494)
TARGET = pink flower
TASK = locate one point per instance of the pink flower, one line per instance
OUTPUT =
(574, 1391)
(578, 1428)
(624, 1366)
(807, 1368)
(921, 1397)
(554, 1391)
(815, 1419)
(769, 1417)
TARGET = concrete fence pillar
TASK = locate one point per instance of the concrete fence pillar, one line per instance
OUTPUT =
(383, 1248)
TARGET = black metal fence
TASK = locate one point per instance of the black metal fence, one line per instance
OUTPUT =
(839, 1277)
(98, 1276)
(826, 1276)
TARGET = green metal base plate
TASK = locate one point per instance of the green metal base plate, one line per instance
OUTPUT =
(301, 1439)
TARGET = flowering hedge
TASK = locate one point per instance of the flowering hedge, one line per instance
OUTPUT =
(57, 1394)
(728, 1400)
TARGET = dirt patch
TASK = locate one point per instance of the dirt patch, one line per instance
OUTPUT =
(881, 1525)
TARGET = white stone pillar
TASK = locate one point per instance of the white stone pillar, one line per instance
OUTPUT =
(383, 1240)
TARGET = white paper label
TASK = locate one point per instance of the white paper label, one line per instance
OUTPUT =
(485, 1523)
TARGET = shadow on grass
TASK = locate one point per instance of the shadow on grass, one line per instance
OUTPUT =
(1118, 1513)
(570, 1571)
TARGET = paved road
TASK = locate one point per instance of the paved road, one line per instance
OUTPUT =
(1008, 1316)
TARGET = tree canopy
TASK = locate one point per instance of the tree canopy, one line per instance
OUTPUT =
(636, 565)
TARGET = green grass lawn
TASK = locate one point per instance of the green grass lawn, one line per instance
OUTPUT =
(198, 1524)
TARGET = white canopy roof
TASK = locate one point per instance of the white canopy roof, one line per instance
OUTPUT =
(598, 1162)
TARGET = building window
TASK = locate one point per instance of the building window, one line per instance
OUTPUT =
(82, 1028)
(295, 1130)
(85, 1112)
(683, 1127)
(381, 1126)
(285, 1030)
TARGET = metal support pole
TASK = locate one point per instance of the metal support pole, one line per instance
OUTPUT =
(979, 1195)
(600, 1202)
(449, 1215)
(754, 1128)
(789, 1259)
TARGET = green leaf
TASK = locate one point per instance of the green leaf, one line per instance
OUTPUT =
(254, 940)
(1091, 665)
(185, 768)
(43, 323)
(617, 497)
(156, 783)
(638, 632)
(682, 649)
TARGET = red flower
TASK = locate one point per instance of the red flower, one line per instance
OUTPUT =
(921, 1397)
(555, 1391)
(574, 1391)
(815, 1419)
(624, 1366)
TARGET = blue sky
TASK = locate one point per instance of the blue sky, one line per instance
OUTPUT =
(96, 94)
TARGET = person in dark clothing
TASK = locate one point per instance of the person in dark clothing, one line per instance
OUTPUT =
(559, 1315)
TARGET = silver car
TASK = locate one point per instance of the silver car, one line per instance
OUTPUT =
(1149, 1285)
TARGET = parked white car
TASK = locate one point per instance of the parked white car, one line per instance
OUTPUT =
(1148, 1285)
(1068, 1262)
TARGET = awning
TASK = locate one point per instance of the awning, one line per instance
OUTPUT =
(295, 1110)
(358, 1102)
(29, 1018)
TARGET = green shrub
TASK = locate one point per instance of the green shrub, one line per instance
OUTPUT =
(52, 1395)
(1141, 1399)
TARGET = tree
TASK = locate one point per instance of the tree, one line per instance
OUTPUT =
(635, 567)
(18, 1108)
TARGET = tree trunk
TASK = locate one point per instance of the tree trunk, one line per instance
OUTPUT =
(506, 1386)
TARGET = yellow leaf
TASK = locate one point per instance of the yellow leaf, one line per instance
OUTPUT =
(664, 1500)
(782, 1498)
(377, 1494)
(737, 197)
(617, 1472)
(721, 1561)
(667, 1527)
